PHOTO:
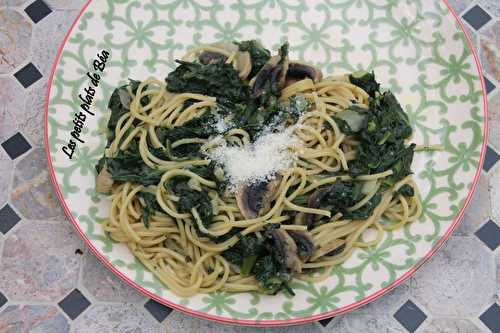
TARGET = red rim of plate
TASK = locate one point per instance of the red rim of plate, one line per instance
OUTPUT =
(286, 322)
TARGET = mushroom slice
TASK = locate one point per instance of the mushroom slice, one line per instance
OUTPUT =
(304, 242)
(103, 181)
(255, 199)
(272, 71)
(286, 249)
(314, 201)
(243, 59)
(298, 71)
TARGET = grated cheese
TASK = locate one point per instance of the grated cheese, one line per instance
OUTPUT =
(262, 160)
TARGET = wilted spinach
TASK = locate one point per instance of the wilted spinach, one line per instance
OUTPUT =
(366, 81)
(258, 54)
(151, 205)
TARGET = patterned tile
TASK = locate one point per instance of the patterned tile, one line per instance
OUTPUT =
(468, 290)
(104, 285)
(478, 210)
(449, 325)
(33, 318)
(8, 218)
(37, 10)
(15, 40)
(489, 234)
(12, 103)
(32, 191)
(157, 310)
(494, 118)
(489, 86)
(115, 318)
(16, 145)
(3, 299)
(39, 262)
(388, 303)
(48, 36)
(491, 318)
(366, 323)
(476, 17)
(490, 159)
(74, 304)
(494, 185)
(178, 322)
(325, 322)
(410, 316)
(28, 75)
(490, 50)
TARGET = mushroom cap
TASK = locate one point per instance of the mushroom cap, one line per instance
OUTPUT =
(255, 199)
(286, 249)
(103, 181)
(299, 70)
(304, 242)
(243, 59)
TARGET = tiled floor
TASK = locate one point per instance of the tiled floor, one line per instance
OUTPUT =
(49, 282)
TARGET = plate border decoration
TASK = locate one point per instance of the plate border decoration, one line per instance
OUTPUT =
(263, 323)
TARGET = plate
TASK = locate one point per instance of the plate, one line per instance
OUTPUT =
(418, 50)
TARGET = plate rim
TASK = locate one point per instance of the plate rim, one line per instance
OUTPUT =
(270, 323)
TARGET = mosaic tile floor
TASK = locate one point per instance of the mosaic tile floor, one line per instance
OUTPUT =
(49, 282)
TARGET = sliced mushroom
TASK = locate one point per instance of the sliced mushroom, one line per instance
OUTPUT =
(304, 242)
(255, 199)
(286, 249)
(103, 181)
(314, 201)
(272, 71)
(243, 60)
(298, 71)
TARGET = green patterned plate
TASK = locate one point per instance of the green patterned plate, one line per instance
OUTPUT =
(417, 49)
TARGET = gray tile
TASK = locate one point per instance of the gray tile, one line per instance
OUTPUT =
(477, 17)
(14, 40)
(16, 145)
(37, 10)
(494, 118)
(48, 36)
(491, 318)
(494, 184)
(33, 319)
(32, 191)
(489, 234)
(388, 303)
(28, 75)
(74, 304)
(178, 322)
(105, 286)
(490, 159)
(39, 262)
(488, 85)
(490, 50)
(478, 211)
(366, 323)
(157, 310)
(491, 6)
(410, 316)
(32, 119)
(458, 281)
(449, 325)
(497, 262)
(6, 170)
(3, 299)
(8, 218)
(12, 104)
(66, 4)
(13, 3)
(115, 318)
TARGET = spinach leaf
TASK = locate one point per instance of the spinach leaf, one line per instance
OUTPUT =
(151, 205)
(128, 165)
(258, 54)
(270, 275)
(215, 79)
(245, 253)
(366, 81)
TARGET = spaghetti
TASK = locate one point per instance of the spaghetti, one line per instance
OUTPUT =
(174, 206)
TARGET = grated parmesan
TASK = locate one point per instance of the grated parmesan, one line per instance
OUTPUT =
(262, 160)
